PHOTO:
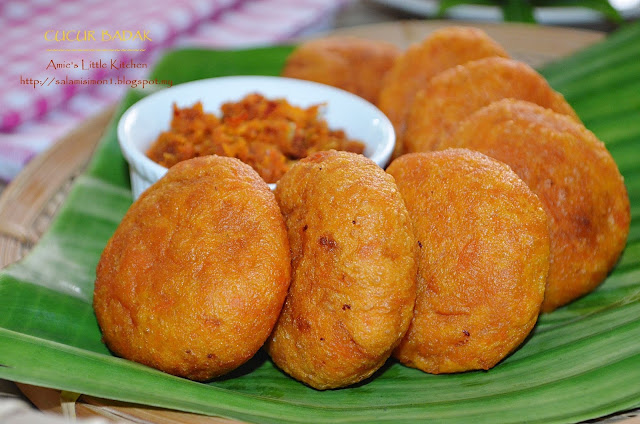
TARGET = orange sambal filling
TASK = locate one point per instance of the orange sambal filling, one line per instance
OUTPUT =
(269, 135)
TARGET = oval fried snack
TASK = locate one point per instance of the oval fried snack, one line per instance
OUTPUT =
(456, 93)
(194, 277)
(576, 179)
(353, 64)
(354, 269)
(442, 49)
(483, 259)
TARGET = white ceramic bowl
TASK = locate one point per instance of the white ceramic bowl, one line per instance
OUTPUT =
(143, 122)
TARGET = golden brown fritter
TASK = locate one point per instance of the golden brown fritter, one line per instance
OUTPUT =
(456, 93)
(196, 274)
(353, 64)
(577, 180)
(354, 268)
(443, 49)
(483, 259)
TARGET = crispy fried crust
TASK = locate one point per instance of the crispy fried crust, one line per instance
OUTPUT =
(194, 277)
(354, 268)
(483, 261)
(443, 49)
(353, 64)
(456, 93)
(577, 180)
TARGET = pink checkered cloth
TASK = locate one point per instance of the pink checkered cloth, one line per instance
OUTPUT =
(45, 85)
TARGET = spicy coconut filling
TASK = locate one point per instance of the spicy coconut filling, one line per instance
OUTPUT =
(269, 135)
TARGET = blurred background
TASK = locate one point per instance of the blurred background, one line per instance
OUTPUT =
(599, 14)
(34, 111)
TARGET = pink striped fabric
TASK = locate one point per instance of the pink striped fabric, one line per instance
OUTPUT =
(40, 102)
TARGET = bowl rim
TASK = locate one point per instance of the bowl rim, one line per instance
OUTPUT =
(138, 159)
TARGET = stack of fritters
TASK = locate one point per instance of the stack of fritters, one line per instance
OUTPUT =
(459, 88)
(500, 205)
(574, 176)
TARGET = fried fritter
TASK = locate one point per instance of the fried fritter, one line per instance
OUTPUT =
(354, 269)
(196, 274)
(443, 49)
(353, 64)
(456, 93)
(577, 180)
(483, 259)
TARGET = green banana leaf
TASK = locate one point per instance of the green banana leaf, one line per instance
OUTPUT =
(581, 361)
